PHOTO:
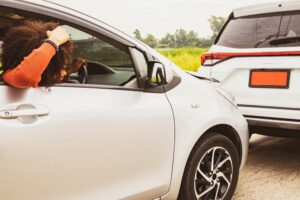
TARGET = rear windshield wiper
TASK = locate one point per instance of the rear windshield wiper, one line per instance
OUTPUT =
(284, 40)
(269, 37)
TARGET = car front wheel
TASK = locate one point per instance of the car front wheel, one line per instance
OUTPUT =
(212, 170)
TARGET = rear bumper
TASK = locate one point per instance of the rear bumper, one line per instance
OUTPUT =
(275, 121)
(270, 116)
(282, 123)
(273, 127)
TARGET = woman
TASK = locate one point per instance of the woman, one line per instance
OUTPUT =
(37, 53)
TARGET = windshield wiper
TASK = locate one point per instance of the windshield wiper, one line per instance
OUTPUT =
(284, 40)
(269, 37)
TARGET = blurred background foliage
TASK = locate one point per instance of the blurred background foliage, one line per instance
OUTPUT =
(186, 58)
(183, 38)
(183, 47)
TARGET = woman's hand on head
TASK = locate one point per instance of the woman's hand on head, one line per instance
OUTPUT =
(59, 36)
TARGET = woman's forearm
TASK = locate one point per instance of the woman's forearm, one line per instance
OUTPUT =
(28, 73)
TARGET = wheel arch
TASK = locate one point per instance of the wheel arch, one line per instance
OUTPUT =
(226, 130)
(223, 129)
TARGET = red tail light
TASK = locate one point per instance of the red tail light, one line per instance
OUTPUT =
(213, 57)
(218, 57)
(205, 57)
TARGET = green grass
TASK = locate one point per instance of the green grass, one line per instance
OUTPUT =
(186, 58)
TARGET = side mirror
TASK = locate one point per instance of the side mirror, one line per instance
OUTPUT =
(156, 74)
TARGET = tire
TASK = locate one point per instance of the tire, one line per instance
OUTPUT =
(197, 181)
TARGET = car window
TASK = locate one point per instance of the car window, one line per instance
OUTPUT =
(107, 64)
(141, 62)
(239, 33)
(266, 28)
(108, 61)
(250, 32)
(290, 27)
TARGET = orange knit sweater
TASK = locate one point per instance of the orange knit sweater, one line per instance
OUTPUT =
(28, 73)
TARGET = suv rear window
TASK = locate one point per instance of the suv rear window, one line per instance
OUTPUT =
(258, 31)
(290, 27)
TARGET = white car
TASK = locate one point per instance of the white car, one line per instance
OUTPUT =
(256, 57)
(130, 125)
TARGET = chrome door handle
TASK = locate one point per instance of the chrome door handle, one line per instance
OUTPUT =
(15, 113)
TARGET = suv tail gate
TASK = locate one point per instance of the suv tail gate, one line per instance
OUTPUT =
(263, 74)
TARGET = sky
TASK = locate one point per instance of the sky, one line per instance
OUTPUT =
(159, 17)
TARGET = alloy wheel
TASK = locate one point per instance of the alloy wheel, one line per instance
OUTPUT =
(213, 175)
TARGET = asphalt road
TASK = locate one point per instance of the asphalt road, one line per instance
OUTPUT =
(272, 171)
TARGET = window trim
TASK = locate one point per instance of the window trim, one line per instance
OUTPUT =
(89, 86)
(231, 17)
(94, 86)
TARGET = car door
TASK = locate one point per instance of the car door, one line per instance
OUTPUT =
(92, 141)
(87, 143)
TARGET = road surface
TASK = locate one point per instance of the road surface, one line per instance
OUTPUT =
(272, 171)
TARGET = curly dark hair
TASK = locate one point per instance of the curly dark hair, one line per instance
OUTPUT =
(21, 39)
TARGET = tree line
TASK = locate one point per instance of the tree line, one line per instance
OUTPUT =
(183, 38)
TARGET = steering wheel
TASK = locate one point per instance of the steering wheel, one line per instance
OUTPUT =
(83, 74)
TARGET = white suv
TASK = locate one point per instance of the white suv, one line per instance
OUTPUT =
(256, 57)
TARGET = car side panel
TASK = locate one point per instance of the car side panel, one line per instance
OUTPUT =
(94, 144)
(195, 113)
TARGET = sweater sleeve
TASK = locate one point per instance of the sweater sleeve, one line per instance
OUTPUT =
(29, 72)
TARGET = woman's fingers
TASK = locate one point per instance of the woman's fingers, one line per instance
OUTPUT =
(49, 33)
(59, 36)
